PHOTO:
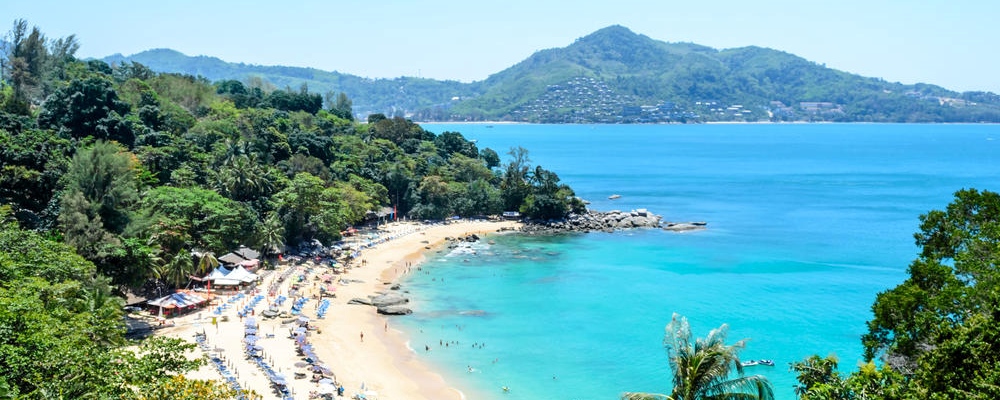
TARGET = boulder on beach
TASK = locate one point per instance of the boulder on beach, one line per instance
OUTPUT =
(389, 299)
(394, 310)
(358, 300)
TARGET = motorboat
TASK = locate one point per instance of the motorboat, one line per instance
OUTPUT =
(751, 363)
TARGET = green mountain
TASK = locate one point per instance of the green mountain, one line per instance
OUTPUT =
(616, 76)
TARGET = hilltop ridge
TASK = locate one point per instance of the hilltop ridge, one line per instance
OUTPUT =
(614, 75)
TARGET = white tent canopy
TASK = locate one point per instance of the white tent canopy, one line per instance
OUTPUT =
(225, 277)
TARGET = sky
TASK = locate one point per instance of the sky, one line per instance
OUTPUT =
(949, 43)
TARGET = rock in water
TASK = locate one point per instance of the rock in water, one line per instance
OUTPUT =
(394, 310)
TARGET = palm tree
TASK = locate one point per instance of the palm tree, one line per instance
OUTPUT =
(177, 270)
(242, 178)
(703, 368)
(206, 263)
(271, 235)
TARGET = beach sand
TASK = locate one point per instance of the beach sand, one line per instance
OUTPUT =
(380, 362)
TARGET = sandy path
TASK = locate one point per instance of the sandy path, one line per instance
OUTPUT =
(381, 362)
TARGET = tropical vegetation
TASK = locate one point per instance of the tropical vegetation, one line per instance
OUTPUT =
(937, 334)
(116, 176)
(706, 368)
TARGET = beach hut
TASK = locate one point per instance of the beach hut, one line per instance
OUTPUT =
(178, 302)
(243, 256)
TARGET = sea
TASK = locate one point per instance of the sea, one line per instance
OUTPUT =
(806, 224)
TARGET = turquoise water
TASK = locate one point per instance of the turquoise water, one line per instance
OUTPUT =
(807, 223)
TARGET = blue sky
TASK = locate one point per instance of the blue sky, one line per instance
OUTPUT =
(949, 43)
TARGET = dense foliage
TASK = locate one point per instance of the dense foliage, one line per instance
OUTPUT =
(679, 82)
(137, 169)
(61, 330)
(937, 334)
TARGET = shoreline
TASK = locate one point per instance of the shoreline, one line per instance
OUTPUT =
(363, 351)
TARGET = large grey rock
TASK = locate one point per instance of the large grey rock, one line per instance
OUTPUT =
(389, 299)
(394, 310)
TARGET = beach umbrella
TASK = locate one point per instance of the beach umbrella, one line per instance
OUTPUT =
(326, 389)
(303, 319)
(300, 329)
(250, 322)
(326, 381)
(301, 364)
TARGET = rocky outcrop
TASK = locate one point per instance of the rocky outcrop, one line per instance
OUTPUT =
(385, 303)
(394, 310)
(358, 300)
(389, 299)
(596, 221)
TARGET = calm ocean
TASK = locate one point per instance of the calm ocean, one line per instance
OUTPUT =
(806, 224)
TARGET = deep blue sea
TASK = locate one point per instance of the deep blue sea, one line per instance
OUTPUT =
(806, 224)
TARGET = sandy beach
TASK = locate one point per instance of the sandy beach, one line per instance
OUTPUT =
(362, 349)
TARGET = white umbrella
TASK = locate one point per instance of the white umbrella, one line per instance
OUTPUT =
(326, 389)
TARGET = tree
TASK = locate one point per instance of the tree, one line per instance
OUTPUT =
(33, 161)
(490, 157)
(453, 142)
(206, 263)
(951, 281)
(514, 185)
(96, 204)
(271, 236)
(63, 330)
(702, 368)
(180, 388)
(176, 270)
(88, 108)
(818, 378)
(938, 332)
(311, 210)
(243, 178)
(193, 218)
(339, 105)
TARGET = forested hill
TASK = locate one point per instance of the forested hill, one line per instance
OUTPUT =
(390, 96)
(615, 75)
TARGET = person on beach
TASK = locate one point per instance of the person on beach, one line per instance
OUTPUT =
(362, 336)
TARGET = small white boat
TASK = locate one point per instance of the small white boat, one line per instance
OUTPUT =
(751, 363)
(614, 196)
